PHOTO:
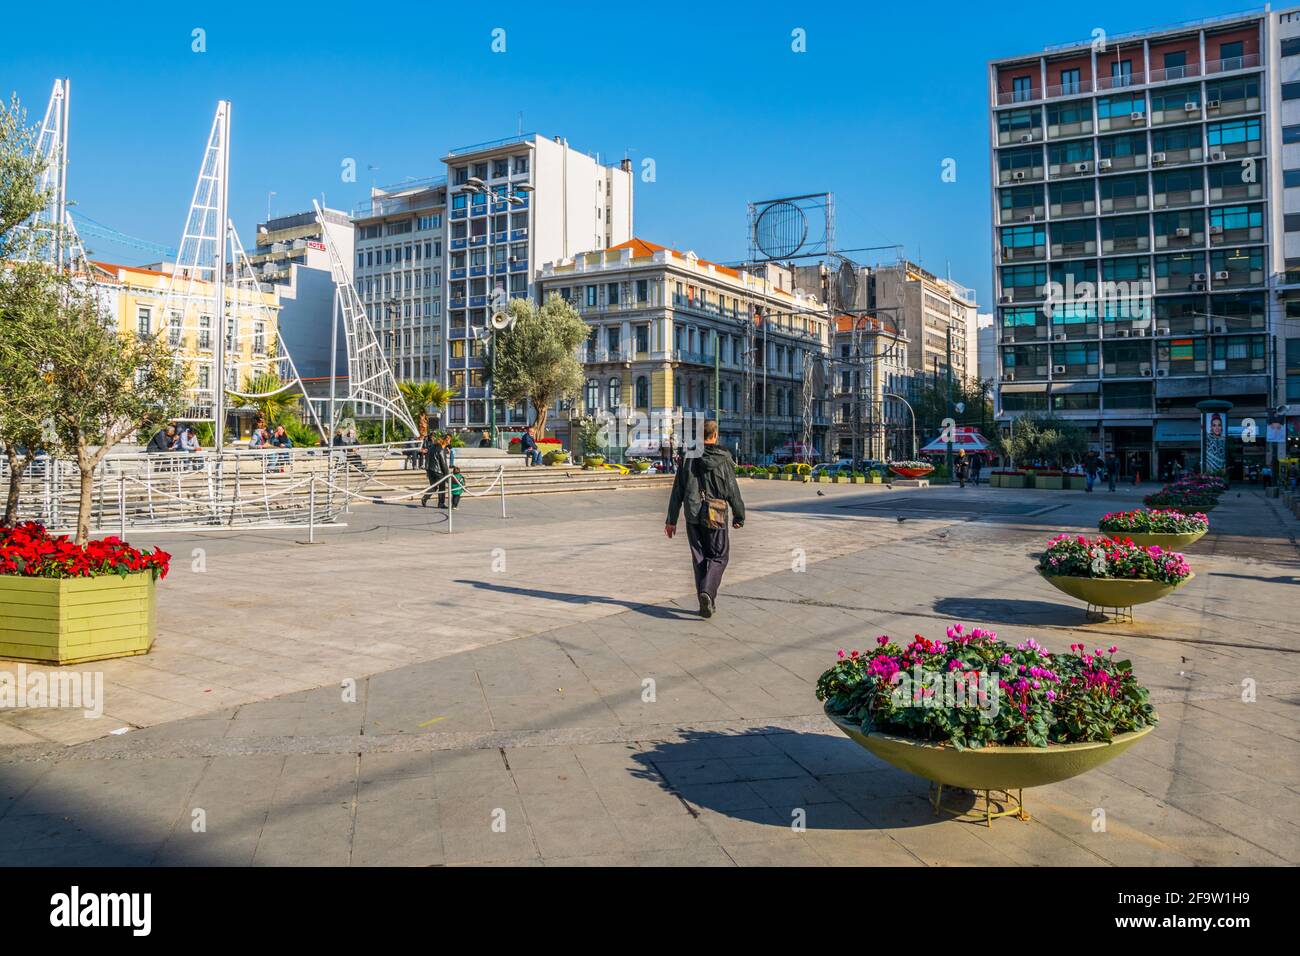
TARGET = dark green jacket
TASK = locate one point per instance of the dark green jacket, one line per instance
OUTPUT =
(711, 475)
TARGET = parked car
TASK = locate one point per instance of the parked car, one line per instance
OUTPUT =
(840, 468)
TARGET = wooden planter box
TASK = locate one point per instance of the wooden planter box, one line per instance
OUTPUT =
(874, 480)
(995, 481)
(1076, 483)
(1013, 481)
(74, 620)
(821, 478)
(1056, 482)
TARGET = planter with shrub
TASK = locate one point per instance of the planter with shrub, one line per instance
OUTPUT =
(971, 711)
(1145, 527)
(1111, 573)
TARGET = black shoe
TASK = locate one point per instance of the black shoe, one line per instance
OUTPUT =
(706, 605)
(424, 502)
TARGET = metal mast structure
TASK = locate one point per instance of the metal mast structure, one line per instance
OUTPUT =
(370, 378)
(54, 235)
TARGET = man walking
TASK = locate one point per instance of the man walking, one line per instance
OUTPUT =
(976, 466)
(435, 468)
(1112, 470)
(706, 486)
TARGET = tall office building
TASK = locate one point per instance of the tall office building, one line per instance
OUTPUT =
(1145, 254)
(549, 202)
(398, 271)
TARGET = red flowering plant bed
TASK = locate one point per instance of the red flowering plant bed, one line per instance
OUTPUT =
(1103, 557)
(972, 690)
(1170, 498)
(1153, 521)
(29, 550)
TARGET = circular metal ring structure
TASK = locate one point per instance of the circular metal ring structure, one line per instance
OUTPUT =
(780, 230)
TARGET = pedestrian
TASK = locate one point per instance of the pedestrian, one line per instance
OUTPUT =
(1112, 469)
(457, 482)
(528, 445)
(485, 441)
(435, 469)
(164, 440)
(1091, 471)
(706, 487)
(1135, 466)
(963, 468)
(976, 466)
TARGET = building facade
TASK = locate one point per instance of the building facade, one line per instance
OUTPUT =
(869, 386)
(398, 274)
(675, 336)
(548, 202)
(1145, 258)
(137, 298)
(290, 257)
(936, 315)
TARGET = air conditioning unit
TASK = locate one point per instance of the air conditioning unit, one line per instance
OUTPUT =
(1144, 369)
(1140, 333)
(1103, 164)
(1157, 158)
(1198, 277)
(1122, 333)
(1221, 274)
(1162, 372)
(1197, 287)
(1018, 174)
(1026, 137)
(1008, 376)
(1221, 329)
(1058, 369)
(1060, 336)
(1137, 117)
(1082, 167)
(1007, 297)
(1216, 230)
(1211, 104)
(1182, 232)
(1190, 107)
(1163, 330)
(1218, 156)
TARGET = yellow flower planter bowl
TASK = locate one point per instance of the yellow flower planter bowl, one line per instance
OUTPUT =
(74, 620)
(989, 768)
(1112, 592)
(1170, 542)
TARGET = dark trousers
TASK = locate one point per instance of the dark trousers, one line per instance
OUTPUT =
(442, 489)
(710, 551)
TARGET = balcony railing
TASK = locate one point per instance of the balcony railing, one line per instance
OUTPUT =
(1228, 64)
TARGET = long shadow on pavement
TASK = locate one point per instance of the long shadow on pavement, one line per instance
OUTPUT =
(565, 597)
(778, 777)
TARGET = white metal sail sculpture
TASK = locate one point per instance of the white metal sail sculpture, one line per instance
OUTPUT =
(224, 329)
(370, 377)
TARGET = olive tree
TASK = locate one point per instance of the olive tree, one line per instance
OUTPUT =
(536, 355)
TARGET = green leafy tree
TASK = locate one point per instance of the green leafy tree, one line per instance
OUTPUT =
(422, 396)
(105, 386)
(28, 294)
(536, 357)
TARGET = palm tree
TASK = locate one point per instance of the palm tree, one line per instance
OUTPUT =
(422, 396)
(266, 392)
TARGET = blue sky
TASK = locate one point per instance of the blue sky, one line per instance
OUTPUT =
(715, 96)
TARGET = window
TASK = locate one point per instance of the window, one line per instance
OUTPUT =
(611, 295)
(1070, 81)
(1291, 177)
(593, 394)
(642, 392)
(521, 164)
(1232, 54)
(642, 290)
(1291, 91)
(142, 320)
(642, 338)
(1175, 64)
(1121, 73)
(1021, 89)
(591, 296)
(614, 391)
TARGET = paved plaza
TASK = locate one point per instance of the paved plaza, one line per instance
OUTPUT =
(539, 690)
